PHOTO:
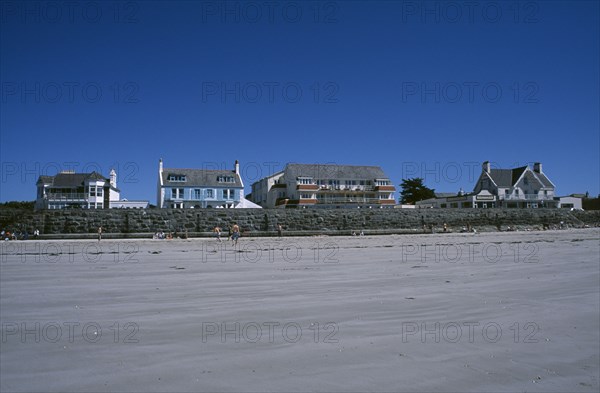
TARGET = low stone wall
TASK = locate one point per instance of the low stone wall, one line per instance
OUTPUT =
(299, 221)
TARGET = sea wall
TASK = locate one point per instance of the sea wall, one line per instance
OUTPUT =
(263, 222)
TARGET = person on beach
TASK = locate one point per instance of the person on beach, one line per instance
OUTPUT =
(279, 230)
(99, 233)
(445, 227)
(217, 231)
(229, 232)
(36, 233)
(235, 234)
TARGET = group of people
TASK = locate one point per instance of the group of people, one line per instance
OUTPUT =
(161, 235)
(233, 233)
(7, 235)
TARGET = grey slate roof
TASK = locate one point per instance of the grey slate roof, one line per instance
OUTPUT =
(333, 171)
(506, 177)
(545, 181)
(70, 180)
(200, 177)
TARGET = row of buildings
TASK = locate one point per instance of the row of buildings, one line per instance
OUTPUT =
(297, 185)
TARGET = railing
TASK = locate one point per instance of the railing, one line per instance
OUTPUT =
(526, 197)
(328, 187)
(67, 196)
(340, 200)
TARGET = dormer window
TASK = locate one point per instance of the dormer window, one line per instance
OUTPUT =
(382, 182)
(177, 178)
(225, 179)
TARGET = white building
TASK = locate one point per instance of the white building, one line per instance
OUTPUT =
(181, 188)
(570, 202)
(76, 190)
(315, 185)
(521, 187)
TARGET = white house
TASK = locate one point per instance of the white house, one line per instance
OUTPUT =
(76, 190)
(570, 202)
(329, 185)
(521, 187)
(180, 188)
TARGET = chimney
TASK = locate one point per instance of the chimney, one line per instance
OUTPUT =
(160, 165)
(237, 167)
(537, 167)
(113, 178)
(486, 166)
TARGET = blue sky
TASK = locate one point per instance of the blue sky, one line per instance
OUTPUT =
(424, 89)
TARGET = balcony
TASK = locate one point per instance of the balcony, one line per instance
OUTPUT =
(67, 196)
(526, 197)
(356, 200)
(385, 188)
(307, 187)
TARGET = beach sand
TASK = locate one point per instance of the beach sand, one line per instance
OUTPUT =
(491, 312)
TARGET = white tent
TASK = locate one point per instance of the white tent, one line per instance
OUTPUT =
(246, 204)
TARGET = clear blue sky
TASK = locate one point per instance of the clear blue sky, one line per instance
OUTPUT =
(428, 89)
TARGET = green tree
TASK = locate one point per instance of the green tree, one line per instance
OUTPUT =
(414, 190)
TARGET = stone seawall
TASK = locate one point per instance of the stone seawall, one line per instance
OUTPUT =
(260, 222)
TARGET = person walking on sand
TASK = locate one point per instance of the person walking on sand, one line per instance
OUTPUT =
(217, 232)
(279, 230)
(236, 234)
(99, 233)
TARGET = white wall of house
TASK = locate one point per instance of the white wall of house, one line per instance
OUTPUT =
(569, 202)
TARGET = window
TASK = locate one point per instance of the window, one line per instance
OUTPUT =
(333, 182)
(177, 193)
(381, 182)
(305, 180)
(516, 191)
(210, 193)
(92, 191)
(228, 194)
(197, 194)
(225, 179)
(177, 178)
(99, 191)
(306, 196)
(443, 205)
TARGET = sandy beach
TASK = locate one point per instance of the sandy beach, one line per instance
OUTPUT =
(490, 312)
